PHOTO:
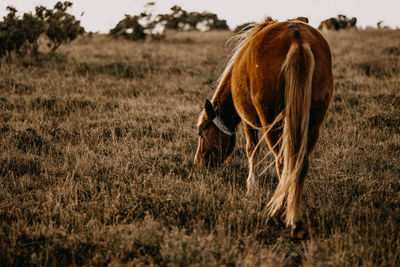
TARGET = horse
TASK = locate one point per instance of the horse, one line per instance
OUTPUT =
(279, 80)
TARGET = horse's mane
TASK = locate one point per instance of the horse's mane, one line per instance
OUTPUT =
(240, 39)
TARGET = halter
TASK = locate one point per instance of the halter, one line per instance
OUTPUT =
(222, 126)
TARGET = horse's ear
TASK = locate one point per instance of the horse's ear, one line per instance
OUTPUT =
(210, 113)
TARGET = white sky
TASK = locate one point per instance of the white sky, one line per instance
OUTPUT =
(102, 15)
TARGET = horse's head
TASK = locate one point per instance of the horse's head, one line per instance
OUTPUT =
(216, 141)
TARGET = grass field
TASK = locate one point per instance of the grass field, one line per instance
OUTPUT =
(97, 147)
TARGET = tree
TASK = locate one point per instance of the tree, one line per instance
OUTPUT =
(12, 35)
(244, 26)
(34, 26)
(145, 24)
(180, 19)
(129, 28)
(17, 33)
(341, 22)
(62, 27)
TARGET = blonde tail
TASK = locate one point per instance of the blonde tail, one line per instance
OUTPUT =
(297, 71)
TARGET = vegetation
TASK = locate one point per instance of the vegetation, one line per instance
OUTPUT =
(62, 27)
(12, 36)
(138, 27)
(180, 19)
(17, 33)
(244, 26)
(339, 23)
(96, 154)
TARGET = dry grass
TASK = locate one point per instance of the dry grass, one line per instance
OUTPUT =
(96, 160)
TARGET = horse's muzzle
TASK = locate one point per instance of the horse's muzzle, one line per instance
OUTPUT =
(205, 160)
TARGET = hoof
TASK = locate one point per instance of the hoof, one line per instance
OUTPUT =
(298, 231)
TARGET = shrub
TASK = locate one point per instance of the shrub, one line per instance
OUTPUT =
(58, 25)
(12, 35)
(138, 27)
(129, 28)
(244, 26)
(62, 27)
(341, 22)
(180, 19)
(33, 26)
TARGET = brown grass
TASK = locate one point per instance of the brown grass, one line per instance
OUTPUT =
(96, 151)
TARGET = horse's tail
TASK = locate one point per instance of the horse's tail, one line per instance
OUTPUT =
(297, 71)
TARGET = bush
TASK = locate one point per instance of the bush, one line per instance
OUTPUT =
(58, 25)
(244, 26)
(180, 19)
(129, 28)
(12, 35)
(341, 22)
(33, 26)
(138, 27)
(62, 27)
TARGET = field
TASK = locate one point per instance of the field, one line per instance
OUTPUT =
(97, 147)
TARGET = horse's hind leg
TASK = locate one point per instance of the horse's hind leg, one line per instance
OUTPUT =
(273, 141)
(298, 230)
(252, 155)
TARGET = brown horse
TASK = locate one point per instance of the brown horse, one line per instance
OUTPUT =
(279, 80)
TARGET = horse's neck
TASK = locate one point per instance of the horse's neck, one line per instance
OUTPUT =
(224, 102)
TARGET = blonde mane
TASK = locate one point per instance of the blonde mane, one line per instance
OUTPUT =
(240, 39)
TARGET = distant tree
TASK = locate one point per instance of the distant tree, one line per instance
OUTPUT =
(341, 22)
(62, 27)
(12, 35)
(180, 19)
(129, 28)
(212, 21)
(244, 26)
(17, 33)
(33, 26)
(138, 27)
(175, 20)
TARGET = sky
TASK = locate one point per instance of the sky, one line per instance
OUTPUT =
(102, 15)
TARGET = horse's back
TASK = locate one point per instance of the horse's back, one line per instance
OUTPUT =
(256, 74)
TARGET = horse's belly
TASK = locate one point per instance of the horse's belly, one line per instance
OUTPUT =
(245, 108)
